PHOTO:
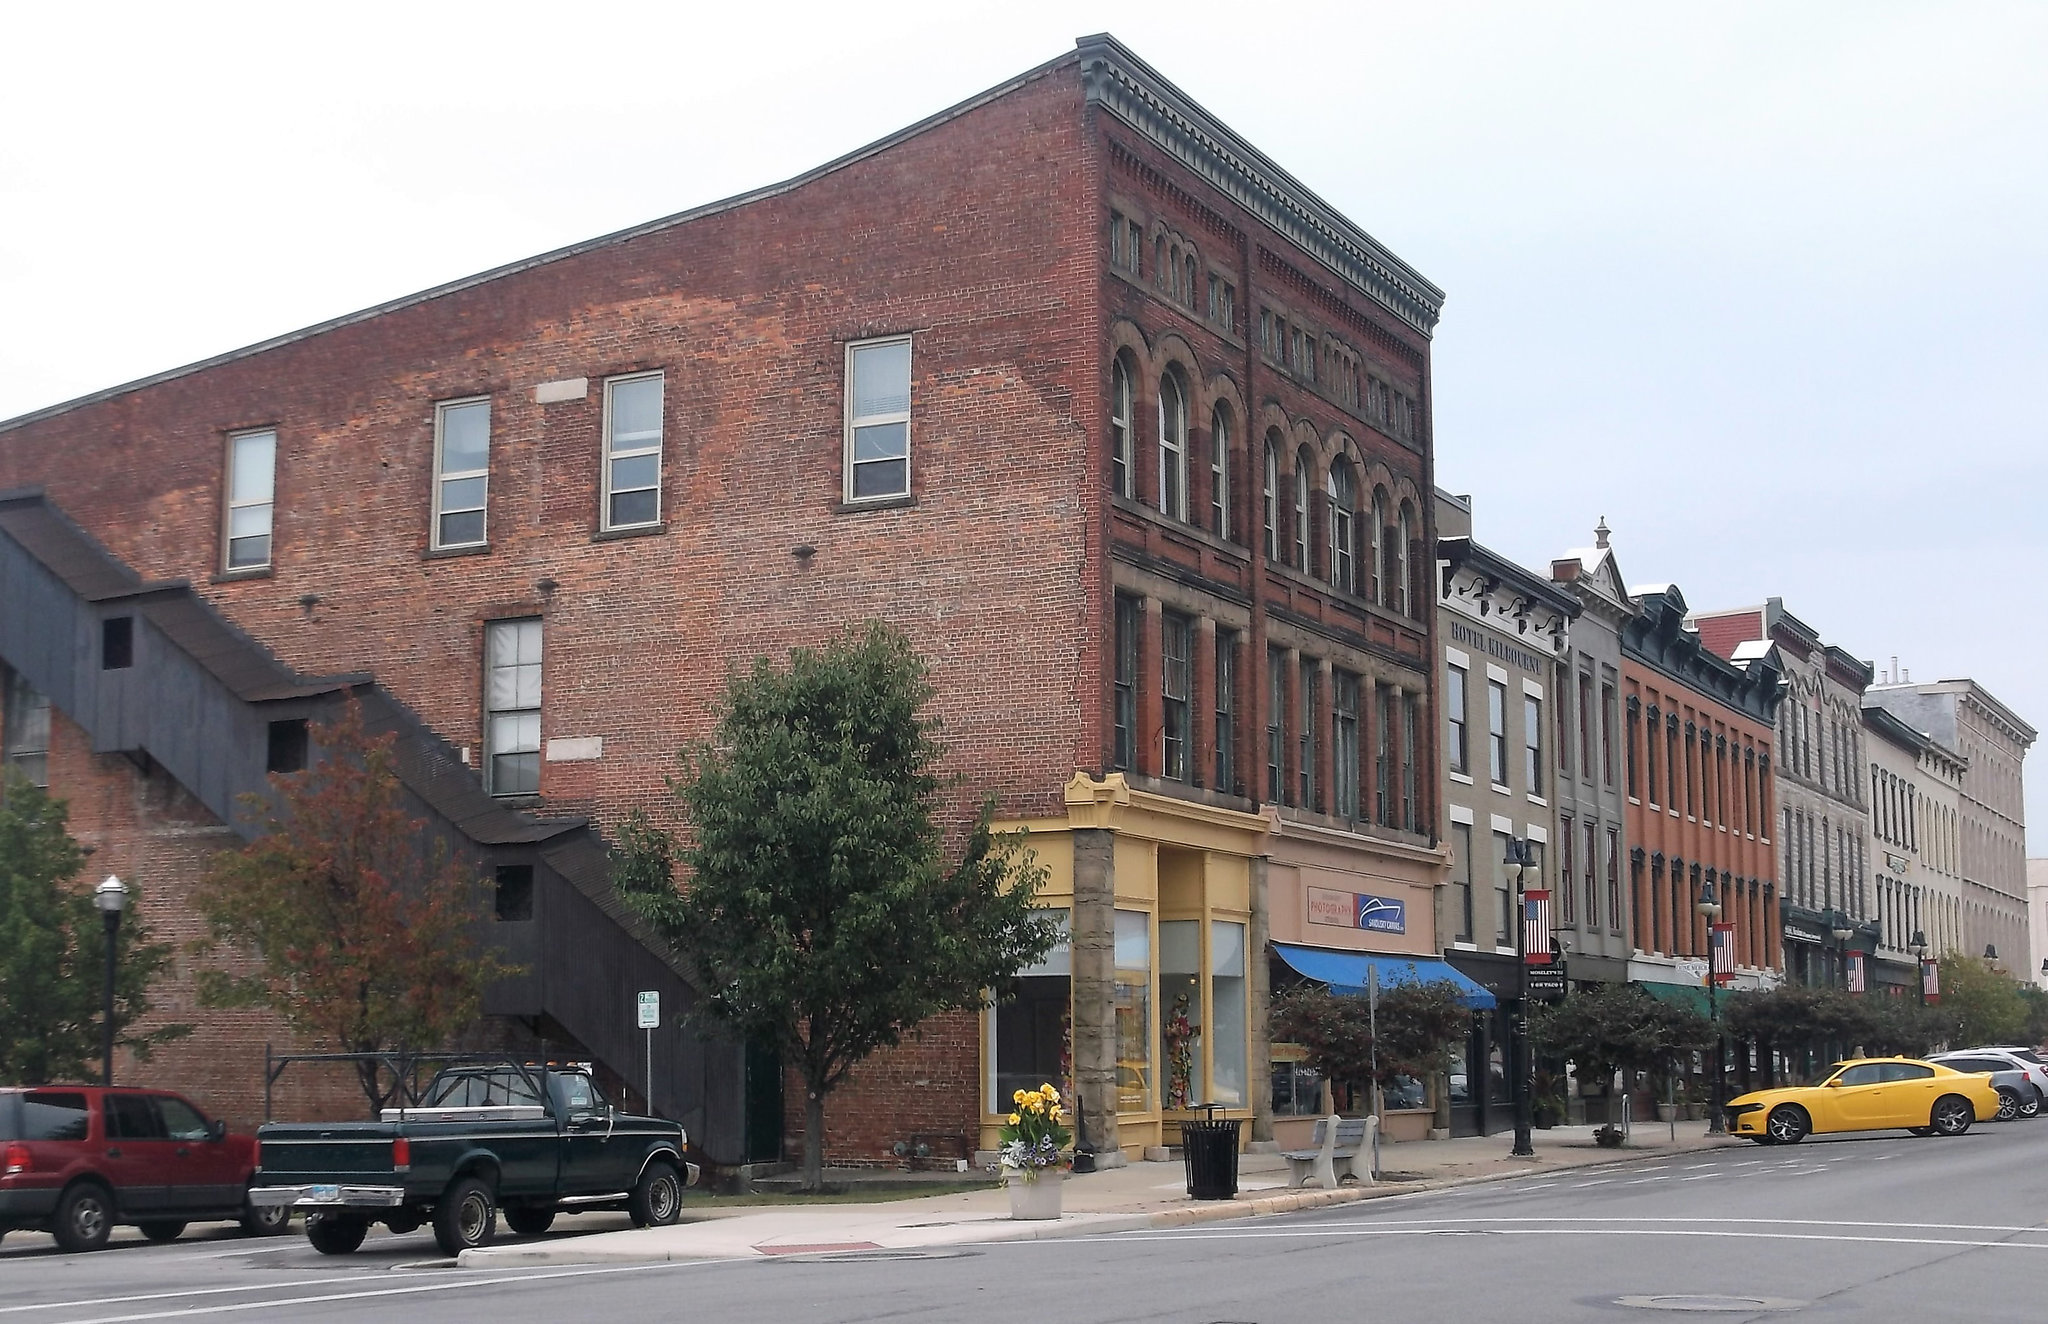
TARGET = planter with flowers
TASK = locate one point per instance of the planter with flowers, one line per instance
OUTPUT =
(1028, 1152)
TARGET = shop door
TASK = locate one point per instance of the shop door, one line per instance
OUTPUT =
(1468, 1085)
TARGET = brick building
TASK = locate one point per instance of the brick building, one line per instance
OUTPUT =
(1701, 802)
(1126, 428)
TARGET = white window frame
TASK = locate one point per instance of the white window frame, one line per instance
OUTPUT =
(444, 475)
(1219, 471)
(1173, 452)
(1120, 411)
(613, 454)
(854, 422)
(491, 747)
(230, 506)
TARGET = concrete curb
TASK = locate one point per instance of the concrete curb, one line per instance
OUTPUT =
(1084, 1225)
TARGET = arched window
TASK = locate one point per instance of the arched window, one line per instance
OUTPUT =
(1406, 603)
(1170, 277)
(1382, 553)
(1173, 447)
(1187, 289)
(1121, 472)
(1343, 530)
(1272, 495)
(1219, 471)
(1302, 465)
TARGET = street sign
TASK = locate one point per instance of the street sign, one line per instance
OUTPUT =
(1545, 981)
(650, 1010)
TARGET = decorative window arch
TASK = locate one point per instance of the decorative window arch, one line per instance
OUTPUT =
(1343, 525)
(1303, 463)
(1122, 473)
(1382, 534)
(1219, 470)
(1173, 446)
(1272, 494)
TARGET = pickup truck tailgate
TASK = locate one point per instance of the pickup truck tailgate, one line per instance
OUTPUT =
(308, 1150)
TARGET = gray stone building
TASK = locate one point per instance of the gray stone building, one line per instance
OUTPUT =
(1823, 807)
(1589, 869)
(1993, 741)
(1915, 793)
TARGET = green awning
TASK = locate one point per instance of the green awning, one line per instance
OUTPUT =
(1693, 996)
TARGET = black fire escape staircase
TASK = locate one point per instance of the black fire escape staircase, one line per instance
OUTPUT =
(151, 671)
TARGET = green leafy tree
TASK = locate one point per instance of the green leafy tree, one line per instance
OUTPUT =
(2036, 999)
(1419, 1024)
(1616, 1027)
(817, 906)
(343, 917)
(1982, 1004)
(53, 950)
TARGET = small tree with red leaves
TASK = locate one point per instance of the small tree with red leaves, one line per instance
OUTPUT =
(344, 917)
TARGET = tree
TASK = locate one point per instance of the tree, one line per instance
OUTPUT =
(1418, 1023)
(53, 949)
(817, 907)
(343, 917)
(1616, 1027)
(1982, 1004)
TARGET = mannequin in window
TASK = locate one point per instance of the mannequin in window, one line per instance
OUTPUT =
(1179, 1036)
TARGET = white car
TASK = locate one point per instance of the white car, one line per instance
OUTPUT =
(2023, 1059)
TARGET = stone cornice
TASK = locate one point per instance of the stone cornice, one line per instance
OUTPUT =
(1658, 639)
(1131, 90)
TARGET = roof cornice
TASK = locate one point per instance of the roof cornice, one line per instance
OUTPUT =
(1135, 93)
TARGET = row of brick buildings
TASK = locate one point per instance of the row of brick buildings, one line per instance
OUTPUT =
(1129, 430)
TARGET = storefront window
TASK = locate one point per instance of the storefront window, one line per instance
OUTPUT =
(1227, 999)
(1180, 1003)
(1034, 1026)
(1133, 1011)
(1297, 1086)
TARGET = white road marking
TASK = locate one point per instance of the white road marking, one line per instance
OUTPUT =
(1702, 1177)
(1469, 1226)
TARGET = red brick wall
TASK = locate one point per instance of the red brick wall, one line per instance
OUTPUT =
(917, 1089)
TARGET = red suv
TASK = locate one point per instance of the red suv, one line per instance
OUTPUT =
(77, 1159)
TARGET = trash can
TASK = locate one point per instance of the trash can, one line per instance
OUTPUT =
(1209, 1148)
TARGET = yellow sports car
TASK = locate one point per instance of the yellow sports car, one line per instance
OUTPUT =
(1868, 1094)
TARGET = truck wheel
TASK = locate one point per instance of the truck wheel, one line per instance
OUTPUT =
(466, 1217)
(265, 1220)
(162, 1229)
(85, 1217)
(657, 1197)
(336, 1234)
(529, 1220)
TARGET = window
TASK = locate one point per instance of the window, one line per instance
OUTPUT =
(1173, 448)
(1630, 753)
(462, 468)
(512, 662)
(1175, 691)
(1592, 879)
(1227, 1003)
(1226, 712)
(131, 1117)
(1132, 1008)
(1343, 500)
(1607, 736)
(1034, 1026)
(514, 893)
(1497, 731)
(1219, 472)
(1411, 726)
(1276, 724)
(1382, 535)
(25, 722)
(252, 486)
(1126, 716)
(1567, 874)
(1561, 692)
(286, 746)
(181, 1120)
(1297, 1086)
(632, 451)
(1585, 726)
(1267, 335)
(51, 1115)
(1614, 879)
(1223, 304)
(1310, 676)
(1120, 472)
(878, 419)
(117, 643)
(1119, 249)
(1650, 734)
(1135, 241)
(1532, 740)
(1455, 748)
(1461, 880)
(1383, 762)
(1503, 893)
(1302, 465)
(1344, 743)
(1404, 600)
(1272, 495)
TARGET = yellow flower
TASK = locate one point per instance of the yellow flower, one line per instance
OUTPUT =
(1052, 1095)
(1013, 1119)
(1018, 1097)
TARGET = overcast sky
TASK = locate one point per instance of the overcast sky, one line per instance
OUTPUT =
(1765, 285)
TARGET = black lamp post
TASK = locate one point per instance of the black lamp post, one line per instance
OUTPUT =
(1710, 908)
(1520, 853)
(111, 896)
(1843, 931)
(1919, 950)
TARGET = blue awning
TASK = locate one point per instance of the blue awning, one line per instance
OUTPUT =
(1344, 972)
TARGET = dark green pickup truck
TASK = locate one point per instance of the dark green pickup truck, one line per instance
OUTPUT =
(533, 1141)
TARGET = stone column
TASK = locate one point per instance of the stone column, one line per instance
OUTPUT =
(1094, 965)
(1258, 978)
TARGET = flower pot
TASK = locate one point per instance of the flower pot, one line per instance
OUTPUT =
(1034, 1192)
(1667, 1112)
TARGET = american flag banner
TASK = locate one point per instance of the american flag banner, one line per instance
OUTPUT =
(1856, 972)
(1536, 927)
(1930, 981)
(1722, 941)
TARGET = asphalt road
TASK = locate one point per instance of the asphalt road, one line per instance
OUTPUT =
(1885, 1227)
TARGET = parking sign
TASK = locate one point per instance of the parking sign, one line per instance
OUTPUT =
(650, 1010)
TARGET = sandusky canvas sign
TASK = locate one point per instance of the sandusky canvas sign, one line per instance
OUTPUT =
(1357, 910)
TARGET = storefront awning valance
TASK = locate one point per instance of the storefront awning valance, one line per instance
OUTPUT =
(1693, 996)
(1345, 972)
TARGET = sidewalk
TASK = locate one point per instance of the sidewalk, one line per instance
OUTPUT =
(1139, 1195)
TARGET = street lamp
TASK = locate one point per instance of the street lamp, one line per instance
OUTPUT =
(111, 896)
(1843, 932)
(1919, 950)
(1710, 909)
(1520, 854)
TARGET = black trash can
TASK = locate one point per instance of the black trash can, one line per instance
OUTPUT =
(1209, 1148)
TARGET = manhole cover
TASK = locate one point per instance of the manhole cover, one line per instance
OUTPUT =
(1733, 1305)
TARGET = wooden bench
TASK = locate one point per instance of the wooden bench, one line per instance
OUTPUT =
(1341, 1149)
